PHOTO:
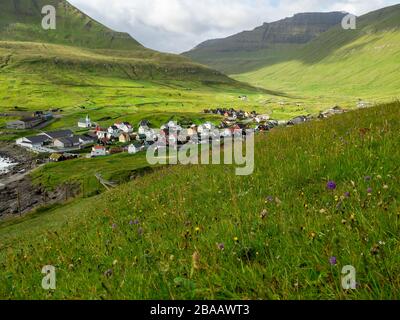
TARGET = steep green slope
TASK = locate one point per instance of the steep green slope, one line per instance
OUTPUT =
(270, 235)
(81, 44)
(20, 20)
(343, 64)
(265, 45)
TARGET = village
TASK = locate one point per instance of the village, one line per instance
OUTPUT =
(122, 137)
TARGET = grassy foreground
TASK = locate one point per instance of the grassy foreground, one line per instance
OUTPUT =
(201, 232)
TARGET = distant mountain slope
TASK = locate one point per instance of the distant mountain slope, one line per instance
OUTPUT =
(81, 44)
(20, 20)
(265, 44)
(364, 62)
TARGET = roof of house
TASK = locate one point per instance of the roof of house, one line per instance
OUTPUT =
(85, 138)
(58, 134)
(56, 156)
(99, 147)
(69, 140)
(136, 144)
(37, 139)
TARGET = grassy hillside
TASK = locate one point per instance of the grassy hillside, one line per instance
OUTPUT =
(79, 43)
(201, 232)
(265, 45)
(342, 64)
(21, 20)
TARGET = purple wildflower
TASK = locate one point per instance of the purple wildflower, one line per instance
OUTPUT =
(114, 226)
(108, 273)
(331, 185)
(369, 190)
(333, 261)
(347, 194)
(134, 222)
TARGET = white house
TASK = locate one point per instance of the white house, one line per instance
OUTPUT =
(124, 127)
(143, 129)
(262, 118)
(98, 151)
(101, 134)
(85, 123)
(85, 140)
(205, 127)
(35, 141)
(113, 132)
(134, 148)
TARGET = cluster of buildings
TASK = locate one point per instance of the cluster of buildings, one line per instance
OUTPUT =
(171, 133)
(61, 140)
(30, 122)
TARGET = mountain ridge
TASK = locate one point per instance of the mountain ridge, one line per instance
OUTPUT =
(82, 44)
(229, 54)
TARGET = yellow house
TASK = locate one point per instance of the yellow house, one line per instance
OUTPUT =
(124, 138)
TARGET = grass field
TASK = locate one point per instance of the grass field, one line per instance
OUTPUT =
(200, 232)
(340, 66)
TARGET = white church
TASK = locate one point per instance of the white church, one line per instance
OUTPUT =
(85, 123)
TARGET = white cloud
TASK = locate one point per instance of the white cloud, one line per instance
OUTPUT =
(179, 25)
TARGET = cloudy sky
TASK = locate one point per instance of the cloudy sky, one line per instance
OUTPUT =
(179, 25)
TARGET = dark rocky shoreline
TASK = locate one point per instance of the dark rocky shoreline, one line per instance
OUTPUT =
(18, 195)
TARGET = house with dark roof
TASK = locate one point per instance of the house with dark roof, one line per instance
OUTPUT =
(24, 123)
(58, 134)
(70, 142)
(34, 141)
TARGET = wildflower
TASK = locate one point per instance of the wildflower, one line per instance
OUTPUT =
(322, 211)
(197, 229)
(347, 194)
(115, 262)
(108, 273)
(353, 217)
(379, 177)
(333, 261)
(367, 178)
(114, 226)
(196, 260)
(336, 198)
(313, 235)
(369, 191)
(236, 239)
(264, 214)
(385, 187)
(221, 246)
(331, 185)
(134, 222)
(344, 221)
